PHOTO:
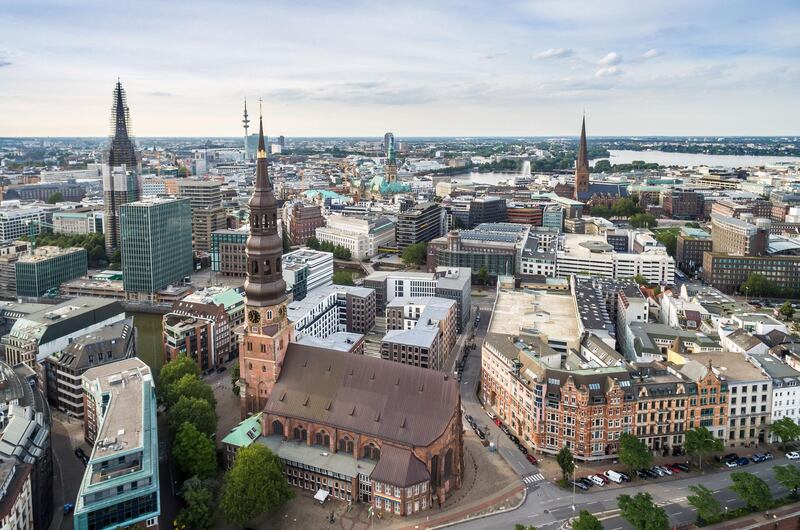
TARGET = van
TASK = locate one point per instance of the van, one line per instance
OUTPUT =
(613, 475)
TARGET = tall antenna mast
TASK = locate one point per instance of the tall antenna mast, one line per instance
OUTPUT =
(246, 123)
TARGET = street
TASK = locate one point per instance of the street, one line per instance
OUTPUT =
(548, 506)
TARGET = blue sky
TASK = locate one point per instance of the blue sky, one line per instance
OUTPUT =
(360, 68)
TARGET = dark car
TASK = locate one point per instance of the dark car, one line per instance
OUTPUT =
(757, 458)
(730, 457)
(480, 434)
(580, 485)
(624, 476)
(586, 482)
(641, 474)
(532, 459)
(682, 467)
(522, 449)
(650, 473)
(768, 456)
(742, 461)
(68, 508)
(468, 418)
(79, 452)
(513, 438)
(504, 429)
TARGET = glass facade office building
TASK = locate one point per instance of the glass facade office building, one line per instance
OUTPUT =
(156, 244)
(48, 268)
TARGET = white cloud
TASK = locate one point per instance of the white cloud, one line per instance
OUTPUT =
(611, 58)
(608, 72)
(554, 53)
(649, 54)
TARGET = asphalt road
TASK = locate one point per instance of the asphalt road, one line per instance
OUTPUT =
(549, 507)
(470, 380)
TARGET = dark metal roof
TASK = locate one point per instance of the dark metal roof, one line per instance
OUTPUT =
(388, 400)
(399, 467)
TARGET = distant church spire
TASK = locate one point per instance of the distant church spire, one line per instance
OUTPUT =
(582, 167)
(122, 150)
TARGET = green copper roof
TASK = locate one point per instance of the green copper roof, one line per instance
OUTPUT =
(245, 433)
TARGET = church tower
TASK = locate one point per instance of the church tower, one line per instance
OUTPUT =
(268, 331)
(582, 167)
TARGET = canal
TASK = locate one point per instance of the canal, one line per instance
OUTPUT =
(150, 342)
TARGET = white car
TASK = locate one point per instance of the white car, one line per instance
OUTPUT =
(793, 455)
(491, 416)
(597, 480)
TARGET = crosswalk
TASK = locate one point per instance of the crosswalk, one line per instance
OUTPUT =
(533, 479)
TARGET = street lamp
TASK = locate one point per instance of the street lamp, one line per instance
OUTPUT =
(574, 467)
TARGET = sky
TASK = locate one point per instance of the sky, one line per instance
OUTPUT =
(417, 68)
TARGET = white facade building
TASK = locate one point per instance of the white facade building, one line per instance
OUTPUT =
(319, 264)
(362, 236)
(785, 387)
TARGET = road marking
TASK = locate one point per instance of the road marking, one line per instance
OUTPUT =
(531, 479)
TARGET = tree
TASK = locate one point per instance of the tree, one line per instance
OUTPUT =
(193, 410)
(415, 254)
(668, 238)
(786, 430)
(708, 508)
(183, 171)
(643, 220)
(642, 513)
(194, 452)
(343, 277)
(788, 476)
(787, 310)
(483, 275)
(55, 197)
(565, 462)
(254, 485)
(190, 386)
(640, 280)
(174, 370)
(700, 442)
(759, 285)
(199, 511)
(313, 243)
(752, 490)
(586, 521)
(235, 375)
(633, 452)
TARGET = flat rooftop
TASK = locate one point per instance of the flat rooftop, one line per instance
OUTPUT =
(48, 252)
(121, 426)
(552, 314)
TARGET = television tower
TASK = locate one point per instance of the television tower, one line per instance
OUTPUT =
(246, 123)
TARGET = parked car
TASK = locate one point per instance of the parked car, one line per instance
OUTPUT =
(757, 457)
(513, 438)
(491, 416)
(586, 482)
(641, 474)
(664, 469)
(729, 457)
(613, 476)
(650, 473)
(658, 472)
(768, 456)
(79, 452)
(522, 449)
(580, 485)
(682, 467)
(532, 459)
(480, 434)
(624, 476)
(504, 429)
(68, 508)
(793, 455)
(498, 422)
(597, 480)
(221, 369)
(742, 461)
(731, 463)
(469, 419)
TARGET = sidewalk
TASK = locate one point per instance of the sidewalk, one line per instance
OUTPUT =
(782, 518)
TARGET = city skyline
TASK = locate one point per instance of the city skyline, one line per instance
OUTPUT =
(514, 69)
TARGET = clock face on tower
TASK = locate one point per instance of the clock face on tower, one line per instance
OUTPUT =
(254, 316)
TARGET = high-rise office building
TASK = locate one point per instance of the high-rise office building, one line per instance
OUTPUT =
(156, 244)
(121, 172)
(47, 268)
(208, 215)
(582, 167)
(420, 224)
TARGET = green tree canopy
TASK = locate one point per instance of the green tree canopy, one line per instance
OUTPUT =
(193, 410)
(343, 277)
(786, 430)
(788, 476)
(194, 452)
(235, 375)
(708, 508)
(642, 513)
(633, 452)
(175, 369)
(312, 243)
(415, 255)
(199, 511)
(752, 490)
(190, 386)
(586, 521)
(701, 443)
(643, 220)
(254, 485)
(759, 285)
(565, 462)
(483, 275)
(787, 310)
(55, 197)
